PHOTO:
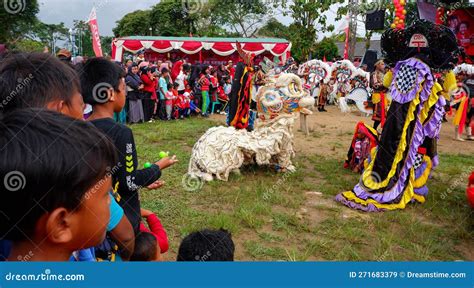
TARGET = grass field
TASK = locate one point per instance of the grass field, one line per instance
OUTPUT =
(292, 217)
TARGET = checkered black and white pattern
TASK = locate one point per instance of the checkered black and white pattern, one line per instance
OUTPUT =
(418, 161)
(406, 78)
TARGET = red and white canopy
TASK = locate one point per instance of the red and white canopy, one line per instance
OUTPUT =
(193, 45)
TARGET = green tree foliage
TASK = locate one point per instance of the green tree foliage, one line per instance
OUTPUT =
(49, 34)
(106, 42)
(308, 15)
(16, 20)
(28, 45)
(326, 48)
(134, 23)
(274, 28)
(242, 16)
(83, 38)
(170, 18)
(368, 5)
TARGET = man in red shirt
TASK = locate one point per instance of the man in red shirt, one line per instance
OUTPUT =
(230, 67)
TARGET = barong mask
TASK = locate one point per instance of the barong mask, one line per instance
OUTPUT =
(284, 95)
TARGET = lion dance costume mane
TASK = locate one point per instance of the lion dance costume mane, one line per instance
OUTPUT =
(397, 170)
(224, 149)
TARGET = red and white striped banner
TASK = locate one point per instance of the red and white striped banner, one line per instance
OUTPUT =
(95, 33)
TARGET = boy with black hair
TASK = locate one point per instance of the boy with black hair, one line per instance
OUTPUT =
(103, 87)
(55, 169)
(54, 85)
(146, 248)
(152, 241)
(39, 80)
(207, 245)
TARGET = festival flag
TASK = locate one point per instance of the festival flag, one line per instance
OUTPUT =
(345, 27)
(95, 33)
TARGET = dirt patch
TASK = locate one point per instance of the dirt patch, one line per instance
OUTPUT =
(337, 129)
(331, 133)
(467, 250)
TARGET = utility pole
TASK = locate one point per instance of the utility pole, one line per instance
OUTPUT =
(353, 13)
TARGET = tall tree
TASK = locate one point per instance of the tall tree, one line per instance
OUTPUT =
(49, 34)
(274, 28)
(83, 38)
(28, 45)
(134, 23)
(308, 17)
(170, 18)
(106, 43)
(17, 18)
(326, 48)
(243, 17)
(369, 5)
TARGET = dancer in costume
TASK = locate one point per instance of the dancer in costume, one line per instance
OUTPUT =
(398, 169)
(342, 72)
(378, 95)
(323, 95)
(240, 99)
(365, 139)
(464, 102)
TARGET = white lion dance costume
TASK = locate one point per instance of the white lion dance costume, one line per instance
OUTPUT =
(224, 149)
(397, 171)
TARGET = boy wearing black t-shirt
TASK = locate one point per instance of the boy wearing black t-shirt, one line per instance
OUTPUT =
(103, 87)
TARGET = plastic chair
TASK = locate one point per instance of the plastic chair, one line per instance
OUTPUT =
(214, 105)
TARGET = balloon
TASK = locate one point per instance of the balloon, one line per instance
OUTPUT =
(393, 26)
(404, 12)
(163, 154)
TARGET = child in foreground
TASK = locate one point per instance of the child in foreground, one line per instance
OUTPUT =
(55, 169)
(152, 240)
(103, 86)
(207, 245)
(50, 84)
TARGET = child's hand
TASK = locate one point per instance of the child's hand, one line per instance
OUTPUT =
(144, 212)
(155, 185)
(167, 162)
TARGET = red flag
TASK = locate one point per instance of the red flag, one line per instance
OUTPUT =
(345, 27)
(95, 33)
(346, 45)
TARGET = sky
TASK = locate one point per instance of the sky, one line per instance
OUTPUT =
(109, 11)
